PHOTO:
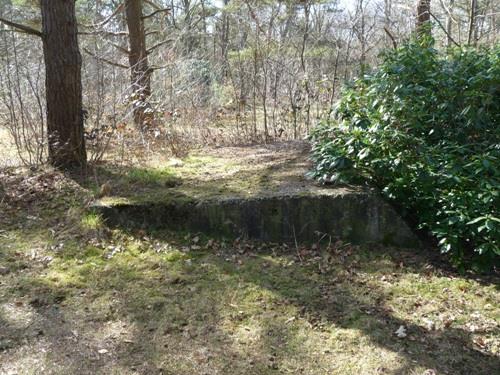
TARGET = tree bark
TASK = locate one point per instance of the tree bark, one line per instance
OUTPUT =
(449, 24)
(63, 84)
(225, 40)
(423, 26)
(138, 59)
(471, 39)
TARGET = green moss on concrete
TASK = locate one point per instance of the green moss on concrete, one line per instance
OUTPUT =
(231, 195)
(198, 176)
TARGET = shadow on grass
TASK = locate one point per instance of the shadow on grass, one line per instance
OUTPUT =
(149, 310)
(237, 313)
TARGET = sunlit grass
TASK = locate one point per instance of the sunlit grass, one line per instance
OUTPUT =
(91, 220)
(156, 176)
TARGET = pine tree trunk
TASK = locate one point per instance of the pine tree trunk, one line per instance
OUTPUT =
(63, 84)
(423, 18)
(138, 59)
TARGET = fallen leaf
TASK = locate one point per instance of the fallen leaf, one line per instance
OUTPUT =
(401, 332)
(429, 324)
(479, 341)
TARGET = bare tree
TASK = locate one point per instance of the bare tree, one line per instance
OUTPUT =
(472, 35)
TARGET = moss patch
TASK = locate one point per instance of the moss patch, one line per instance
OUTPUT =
(210, 174)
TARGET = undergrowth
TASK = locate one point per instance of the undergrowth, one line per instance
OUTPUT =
(424, 128)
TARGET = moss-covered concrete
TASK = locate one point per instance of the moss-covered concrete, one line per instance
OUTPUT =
(259, 193)
(358, 217)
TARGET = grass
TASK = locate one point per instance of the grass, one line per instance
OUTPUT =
(154, 307)
(77, 297)
(91, 221)
(207, 174)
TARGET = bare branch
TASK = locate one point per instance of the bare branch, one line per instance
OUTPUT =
(148, 33)
(159, 44)
(165, 10)
(160, 67)
(99, 32)
(444, 29)
(152, 4)
(448, 10)
(106, 21)
(120, 48)
(23, 28)
(394, 43)
(105, 60)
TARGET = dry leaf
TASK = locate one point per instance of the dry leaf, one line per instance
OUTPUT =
(401, 332)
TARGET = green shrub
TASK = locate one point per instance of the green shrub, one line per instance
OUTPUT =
(424, 128)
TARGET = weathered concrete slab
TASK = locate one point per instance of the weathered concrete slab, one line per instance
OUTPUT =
(358, 217)
(257, 192)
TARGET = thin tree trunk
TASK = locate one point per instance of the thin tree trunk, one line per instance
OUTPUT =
(334, 83)
(303, 64)
(63, 84)
(347, 56)
(138, 59)
(225, 40)
(449, 25)
(387, 21)
(471, 39)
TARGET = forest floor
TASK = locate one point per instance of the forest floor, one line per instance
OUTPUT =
(77, 297)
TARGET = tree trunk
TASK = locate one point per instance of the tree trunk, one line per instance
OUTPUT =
(471, 39)
(63, 84)
(138, 59)
(423, 27)
(387, 21)
(449, 24)
(225, 40)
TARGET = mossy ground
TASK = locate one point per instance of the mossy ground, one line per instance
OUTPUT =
(241, 172)
(79, 298)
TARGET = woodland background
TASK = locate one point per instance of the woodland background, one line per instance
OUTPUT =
(218, 72)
